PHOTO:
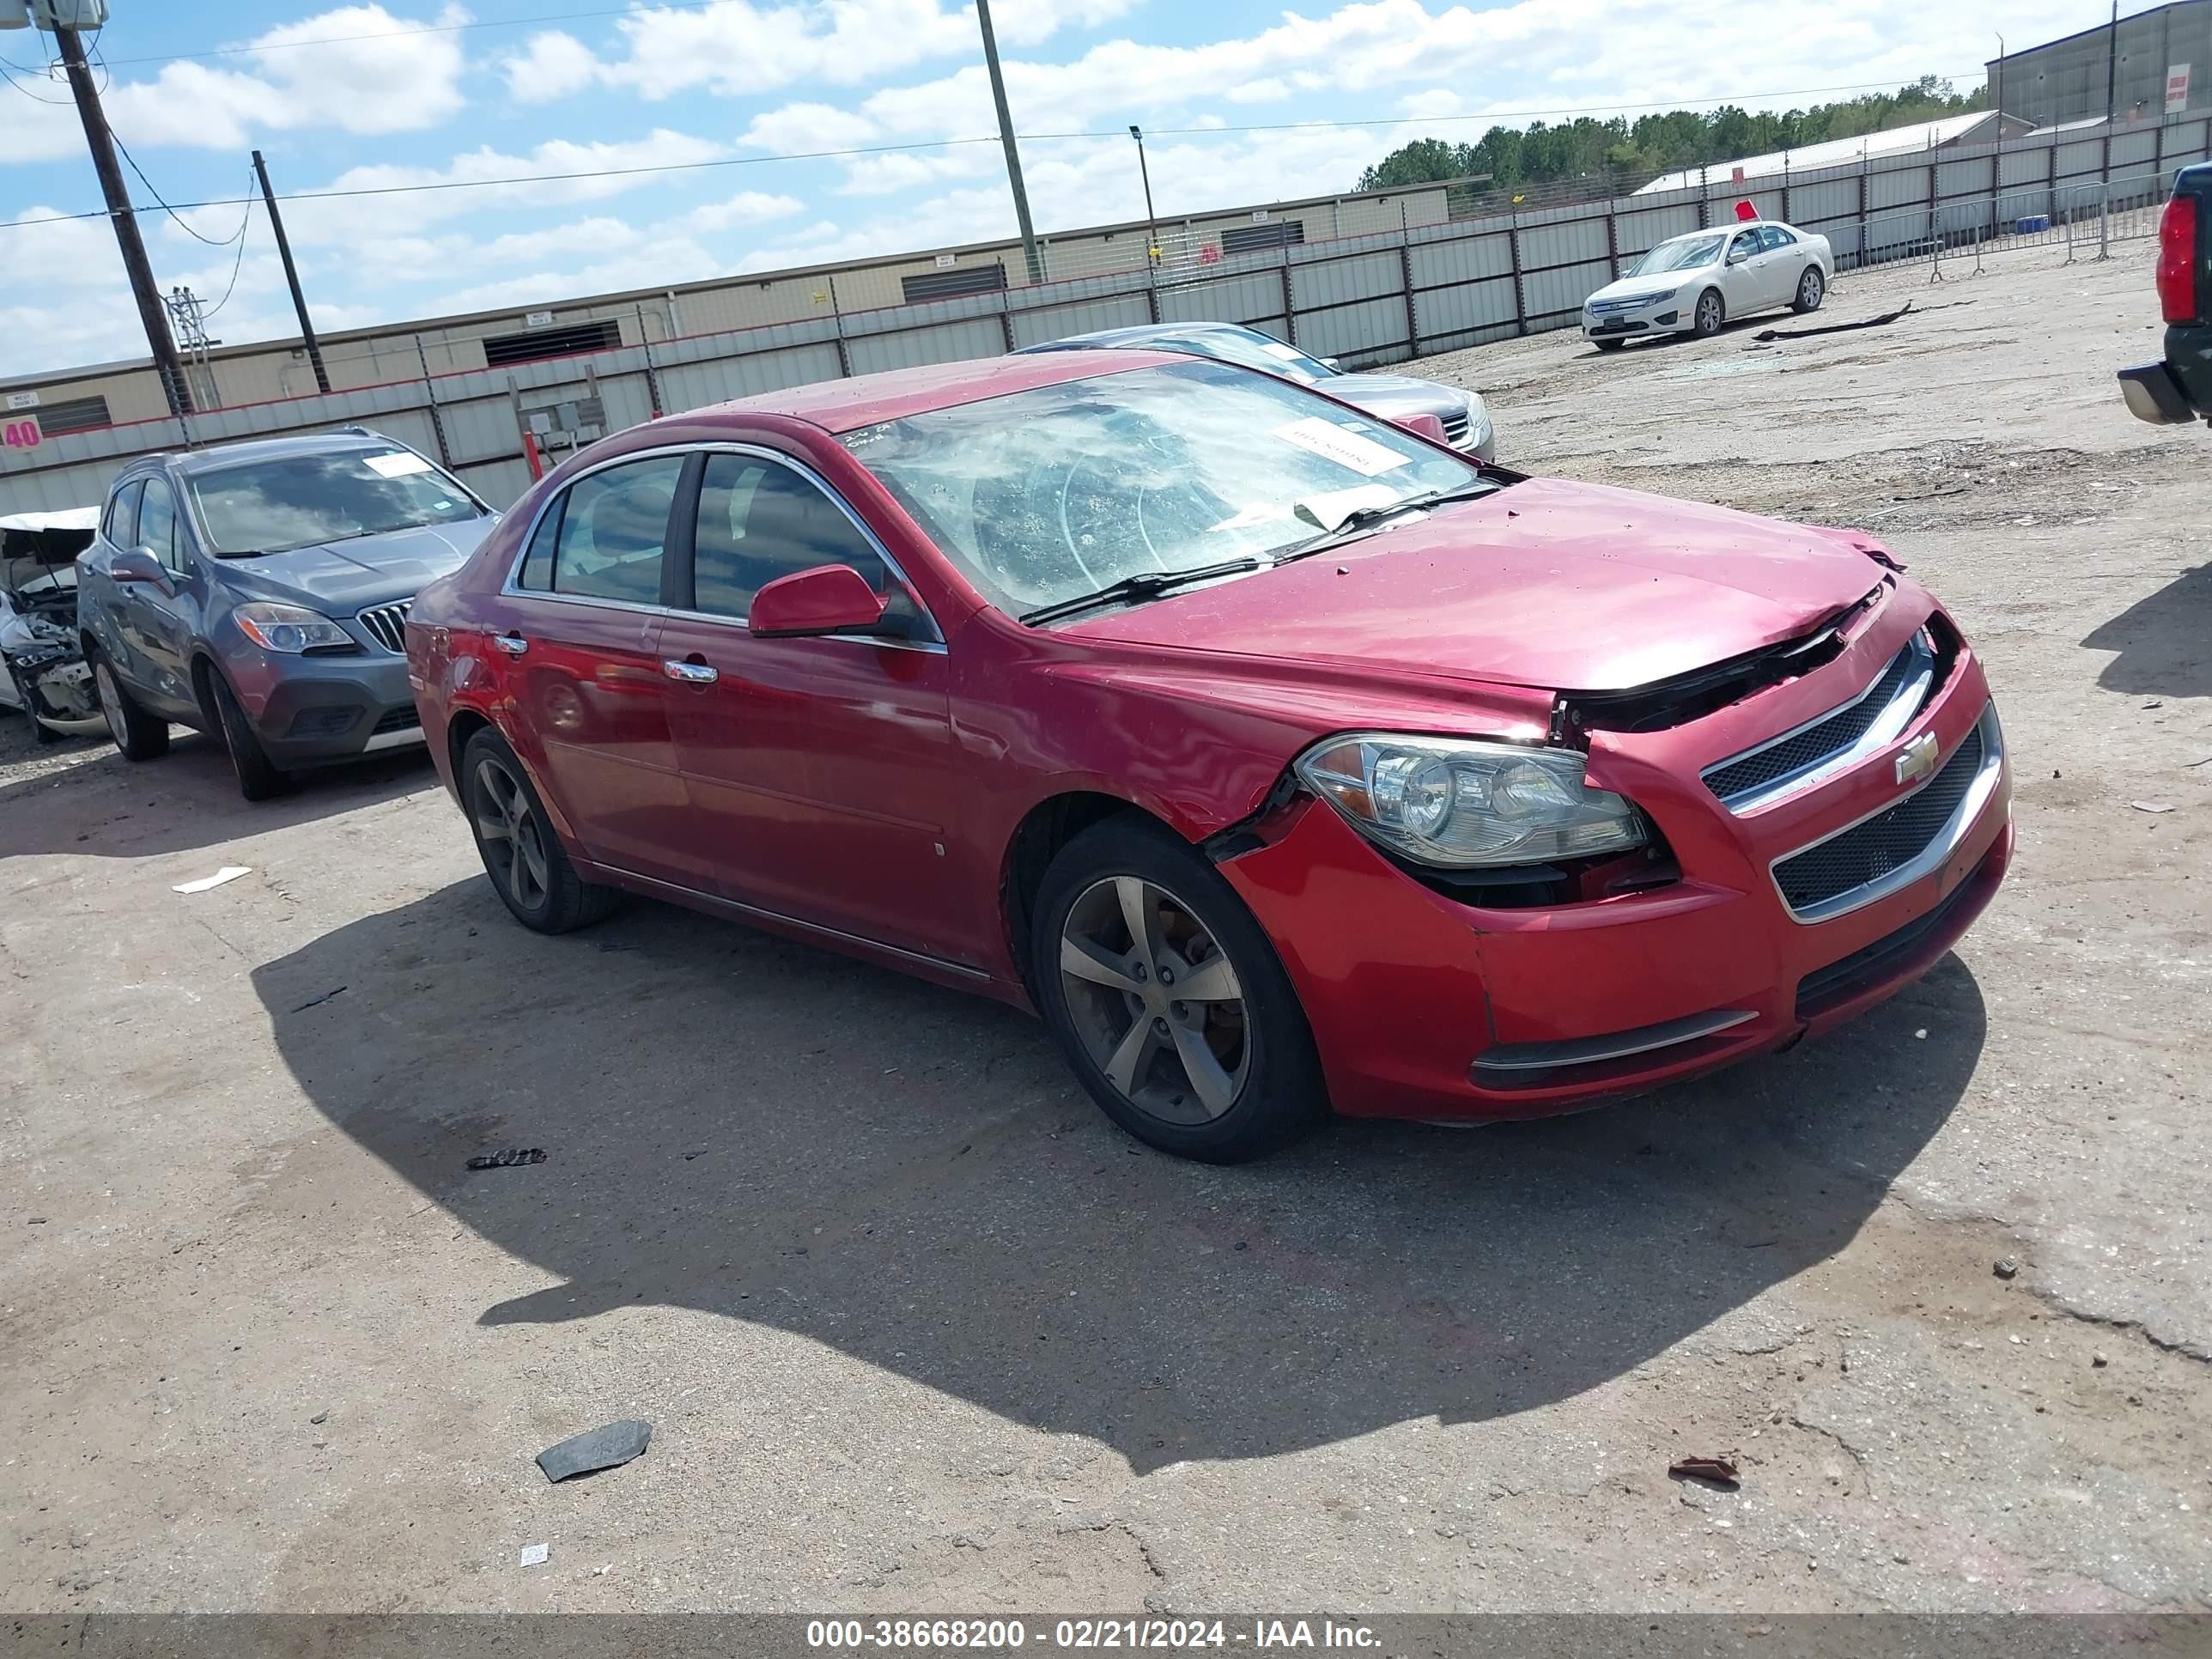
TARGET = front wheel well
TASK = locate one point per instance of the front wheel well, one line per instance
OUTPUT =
(204, 673)
(1044, 829)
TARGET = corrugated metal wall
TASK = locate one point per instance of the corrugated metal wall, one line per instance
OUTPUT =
(1366, 300)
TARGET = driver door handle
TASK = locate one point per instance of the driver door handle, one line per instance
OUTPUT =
(691, 673)
(513, 644)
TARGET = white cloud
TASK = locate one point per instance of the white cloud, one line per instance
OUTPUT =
(394, 78)
(738, 47)
(551, 65)
(798, 129)
(747, 206)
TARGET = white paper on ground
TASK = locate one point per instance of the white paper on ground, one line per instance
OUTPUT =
(228, 872)
(1331, 442)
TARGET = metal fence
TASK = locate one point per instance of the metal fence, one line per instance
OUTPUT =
(1404, 290)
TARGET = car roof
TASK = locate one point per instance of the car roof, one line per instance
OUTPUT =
(866, 399)
(265, 449)
(1136, 334)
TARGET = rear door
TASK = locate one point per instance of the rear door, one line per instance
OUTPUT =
(1781, 256)
(822, 772)
(582, 618)
(109, 610)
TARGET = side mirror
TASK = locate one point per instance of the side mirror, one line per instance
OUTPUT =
(137, 565)
(1737, 255)
(830, 599)
(1423, 425)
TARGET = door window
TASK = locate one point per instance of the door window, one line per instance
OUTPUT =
(759, 520)
(157, 525)
(1745, 245)
(121, 527)
(1771, 237)
(614, 525)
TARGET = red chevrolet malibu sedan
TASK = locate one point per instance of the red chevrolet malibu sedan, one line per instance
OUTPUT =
(1280, 759)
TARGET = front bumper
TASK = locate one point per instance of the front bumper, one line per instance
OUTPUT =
(1424, 1006)
(310, 710)
(1665, 318)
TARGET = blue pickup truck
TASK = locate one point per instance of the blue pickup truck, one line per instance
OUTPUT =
(2178, 387)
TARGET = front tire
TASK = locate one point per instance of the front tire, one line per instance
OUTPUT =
(521, 854)
(259, 777)
(140, 736)
(1711, 312)
(1812, 288)
(1608, 345)
(1169, 1000)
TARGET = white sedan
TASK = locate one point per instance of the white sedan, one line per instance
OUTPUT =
(1692, 284)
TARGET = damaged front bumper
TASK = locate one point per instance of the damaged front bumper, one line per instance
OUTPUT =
(50, 680)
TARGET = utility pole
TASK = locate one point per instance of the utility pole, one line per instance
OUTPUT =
(292, 276)
(166, 362)
(2111, 72)
(1151, 219)
(1007, 137)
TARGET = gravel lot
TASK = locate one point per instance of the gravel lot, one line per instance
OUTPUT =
(920, 1331)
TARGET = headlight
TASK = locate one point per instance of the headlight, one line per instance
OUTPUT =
(1464, 804)
(1478, 420)
(289, 628)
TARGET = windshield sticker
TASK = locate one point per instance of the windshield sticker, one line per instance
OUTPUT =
(1277, 348)
(1347, 449)
(400, 465)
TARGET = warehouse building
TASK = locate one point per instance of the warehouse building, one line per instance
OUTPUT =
(82, 399)
(2154, 66)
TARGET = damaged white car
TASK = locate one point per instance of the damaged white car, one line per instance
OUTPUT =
(42, 667)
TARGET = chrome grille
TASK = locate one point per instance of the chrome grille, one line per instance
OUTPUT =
(1837, 740)
(1607, 307)
(387, 624)
(1455, 425)
(1823, 879)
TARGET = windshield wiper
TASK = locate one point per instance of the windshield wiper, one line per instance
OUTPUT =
(1145, 585)
(1366, 518)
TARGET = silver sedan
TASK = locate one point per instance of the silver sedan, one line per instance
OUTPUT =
(1692, 284)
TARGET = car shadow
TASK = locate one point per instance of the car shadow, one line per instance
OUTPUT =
(2164, 642)
(188, 798)
(764, 1132)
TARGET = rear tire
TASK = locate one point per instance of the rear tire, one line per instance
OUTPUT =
(516, 841)
(139, 735)
(259, 778)
(1812, 288)
(1711, 312)
(1191, 1038)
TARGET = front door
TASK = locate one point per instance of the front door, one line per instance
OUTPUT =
(578, 638)
(821, 771)
(166, 623)
(1741, 284)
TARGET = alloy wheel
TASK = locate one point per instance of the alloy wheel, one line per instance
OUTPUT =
(1156, 1001)
(509, 831)
(1808, 289)
(1709, 312)
(111, 704)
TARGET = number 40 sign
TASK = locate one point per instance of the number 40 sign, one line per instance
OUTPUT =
(22, 434)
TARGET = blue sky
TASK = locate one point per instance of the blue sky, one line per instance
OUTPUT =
(418, 91)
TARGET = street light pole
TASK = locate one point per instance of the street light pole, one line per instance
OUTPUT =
(151, 316)
(1151, 219)
(1007, 138)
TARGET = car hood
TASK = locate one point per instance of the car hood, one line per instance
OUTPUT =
(1562, 586)
(1638, 287)
(345, 575)
(1392, 396)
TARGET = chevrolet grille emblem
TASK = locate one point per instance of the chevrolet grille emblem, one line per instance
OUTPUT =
(1917, 758)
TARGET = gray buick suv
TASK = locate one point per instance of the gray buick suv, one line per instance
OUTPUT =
(259, 591)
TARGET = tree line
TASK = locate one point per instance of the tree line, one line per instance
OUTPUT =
(1662, 142)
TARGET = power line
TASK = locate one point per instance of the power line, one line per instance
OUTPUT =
(236, 265)
(238, 235)
(1494, 117)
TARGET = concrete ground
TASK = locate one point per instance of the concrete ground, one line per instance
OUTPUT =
(918, 1331)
